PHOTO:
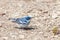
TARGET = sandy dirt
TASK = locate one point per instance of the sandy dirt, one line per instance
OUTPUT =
(48, 12)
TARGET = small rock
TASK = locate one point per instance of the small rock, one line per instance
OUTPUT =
(0, 25)
(45, 12)
(56, 36)
(54, 15)
(21, 36)
(2, 14)
(58, 32)
(5, 38)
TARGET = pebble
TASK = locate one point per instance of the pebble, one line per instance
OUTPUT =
(4, 38)
(2, 14)
(56, 36)
(54, 15)
(0, 25)
(21, 36)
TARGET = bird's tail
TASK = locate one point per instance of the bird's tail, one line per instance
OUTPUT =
(12, 19)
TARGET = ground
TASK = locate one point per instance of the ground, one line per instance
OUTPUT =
(46, 15)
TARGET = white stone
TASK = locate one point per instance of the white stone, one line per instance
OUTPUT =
(0, 24)
(21, 36)
(54, 15)
(5, 38)
(56, 36)
(15, 14)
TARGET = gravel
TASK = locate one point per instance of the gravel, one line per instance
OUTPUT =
(46, 13)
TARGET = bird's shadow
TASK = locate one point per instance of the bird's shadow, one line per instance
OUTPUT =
(28, 28)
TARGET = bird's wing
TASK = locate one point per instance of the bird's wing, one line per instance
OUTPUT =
(21, 21)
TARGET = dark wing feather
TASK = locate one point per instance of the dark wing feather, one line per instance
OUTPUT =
(22, 21)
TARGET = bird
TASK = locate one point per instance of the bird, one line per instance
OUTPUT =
(23, 22)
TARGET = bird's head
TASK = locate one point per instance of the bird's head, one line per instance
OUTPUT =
(28, 17)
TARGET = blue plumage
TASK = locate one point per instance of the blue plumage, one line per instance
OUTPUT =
(23, 22)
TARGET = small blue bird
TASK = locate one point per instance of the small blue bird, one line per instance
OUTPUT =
(23, 22)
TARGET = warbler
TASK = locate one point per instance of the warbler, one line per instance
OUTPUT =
(23, 22)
